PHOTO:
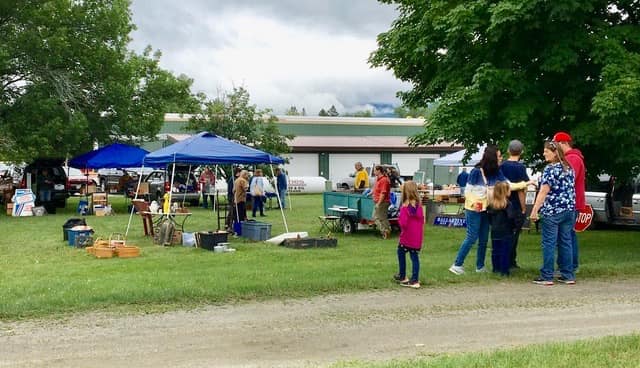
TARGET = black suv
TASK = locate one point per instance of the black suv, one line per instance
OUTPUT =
(58, 176)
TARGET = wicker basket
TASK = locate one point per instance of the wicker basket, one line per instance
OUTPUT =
(128, 251)
(116, 240)
(103, 252)
(90, 250)
(100, 243)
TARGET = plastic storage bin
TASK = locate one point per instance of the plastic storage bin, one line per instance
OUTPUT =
(255, 230)
(208, 240)
(72, 222)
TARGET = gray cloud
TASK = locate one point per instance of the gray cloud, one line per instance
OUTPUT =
(314, 57)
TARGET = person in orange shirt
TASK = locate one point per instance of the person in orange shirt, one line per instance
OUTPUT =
(381, 194)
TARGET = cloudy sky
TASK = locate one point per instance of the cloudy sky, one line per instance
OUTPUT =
(307, 53)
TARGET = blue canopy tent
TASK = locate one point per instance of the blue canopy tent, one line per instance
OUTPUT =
(115, 155)
(207, 148)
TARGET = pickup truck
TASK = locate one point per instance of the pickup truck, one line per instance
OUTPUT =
(613, 202)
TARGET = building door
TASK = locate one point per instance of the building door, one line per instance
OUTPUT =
(323, 164)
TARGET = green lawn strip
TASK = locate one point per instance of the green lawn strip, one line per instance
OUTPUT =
(613, 351)
(41, 275)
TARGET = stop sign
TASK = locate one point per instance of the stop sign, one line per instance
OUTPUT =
(584, 218)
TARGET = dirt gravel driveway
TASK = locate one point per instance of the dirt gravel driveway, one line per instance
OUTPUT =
(322, 330)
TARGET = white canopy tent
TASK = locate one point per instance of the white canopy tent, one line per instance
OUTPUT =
(455, 159)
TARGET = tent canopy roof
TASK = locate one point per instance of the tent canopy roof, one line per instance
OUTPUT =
(115, 155)
(455, 159)
(206, 148)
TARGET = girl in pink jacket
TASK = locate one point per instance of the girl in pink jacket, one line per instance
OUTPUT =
(411, 222)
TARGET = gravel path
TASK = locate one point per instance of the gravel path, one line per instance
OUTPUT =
(322, 330)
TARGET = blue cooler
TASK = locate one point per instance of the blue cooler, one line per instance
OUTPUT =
(78, 230)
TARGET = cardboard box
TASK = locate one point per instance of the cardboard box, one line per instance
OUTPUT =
(626, 212)
(143, 189)
(99, 210)
(9, 209)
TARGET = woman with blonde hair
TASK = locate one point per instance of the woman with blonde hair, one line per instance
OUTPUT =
(502, 215)
(554, 207)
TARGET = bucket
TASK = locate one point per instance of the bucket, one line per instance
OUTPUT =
(72, 222)
(237, 228)
(77, 230)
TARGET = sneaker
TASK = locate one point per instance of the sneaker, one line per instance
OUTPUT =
(482, 270)
(564, 280)
(411, 284)
(541, 281)
(400, 279)
(458, 270)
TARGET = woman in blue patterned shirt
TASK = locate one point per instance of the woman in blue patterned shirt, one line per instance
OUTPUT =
(555, 206)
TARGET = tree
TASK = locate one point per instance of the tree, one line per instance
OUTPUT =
(406, 111)
(293, 111)
(323, 112)
(232, 116)
(67, 79)
(360, 114)
(332, 111)
(523, 69)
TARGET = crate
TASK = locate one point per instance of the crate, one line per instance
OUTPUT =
(256, 230)
(208, 239)
(304, 243)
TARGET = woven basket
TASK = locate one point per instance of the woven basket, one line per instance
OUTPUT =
(116, 240)
(90, 250)
(100, 243)
(128, 251)
(103, 252)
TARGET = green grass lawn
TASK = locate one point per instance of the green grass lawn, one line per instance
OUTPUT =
(42, 276)
(618, 352)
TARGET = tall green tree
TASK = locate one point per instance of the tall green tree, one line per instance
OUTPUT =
(232, 116)
(523, 69)
(292, 111)
(67, 79)
(332, 111)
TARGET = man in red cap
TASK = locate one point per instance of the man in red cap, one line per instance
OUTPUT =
(576, 160)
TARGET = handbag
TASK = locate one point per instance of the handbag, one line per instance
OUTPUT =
(489, 188)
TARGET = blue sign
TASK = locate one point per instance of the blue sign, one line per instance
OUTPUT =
(450, 221)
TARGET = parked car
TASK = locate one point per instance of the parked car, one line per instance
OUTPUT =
(184, 189)
(79, 181)
(348, 183)
(58, 175)
(614, 202)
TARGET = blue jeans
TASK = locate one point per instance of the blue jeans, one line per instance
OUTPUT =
(282, 195)
(477, 230)
(402, 262)
(501, 254)
(556, 234)
(45, 195)
(258, 204)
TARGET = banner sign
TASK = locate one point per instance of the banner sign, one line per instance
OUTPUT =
(449, 221)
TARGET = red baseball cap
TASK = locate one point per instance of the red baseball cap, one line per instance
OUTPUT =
(562, 137)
